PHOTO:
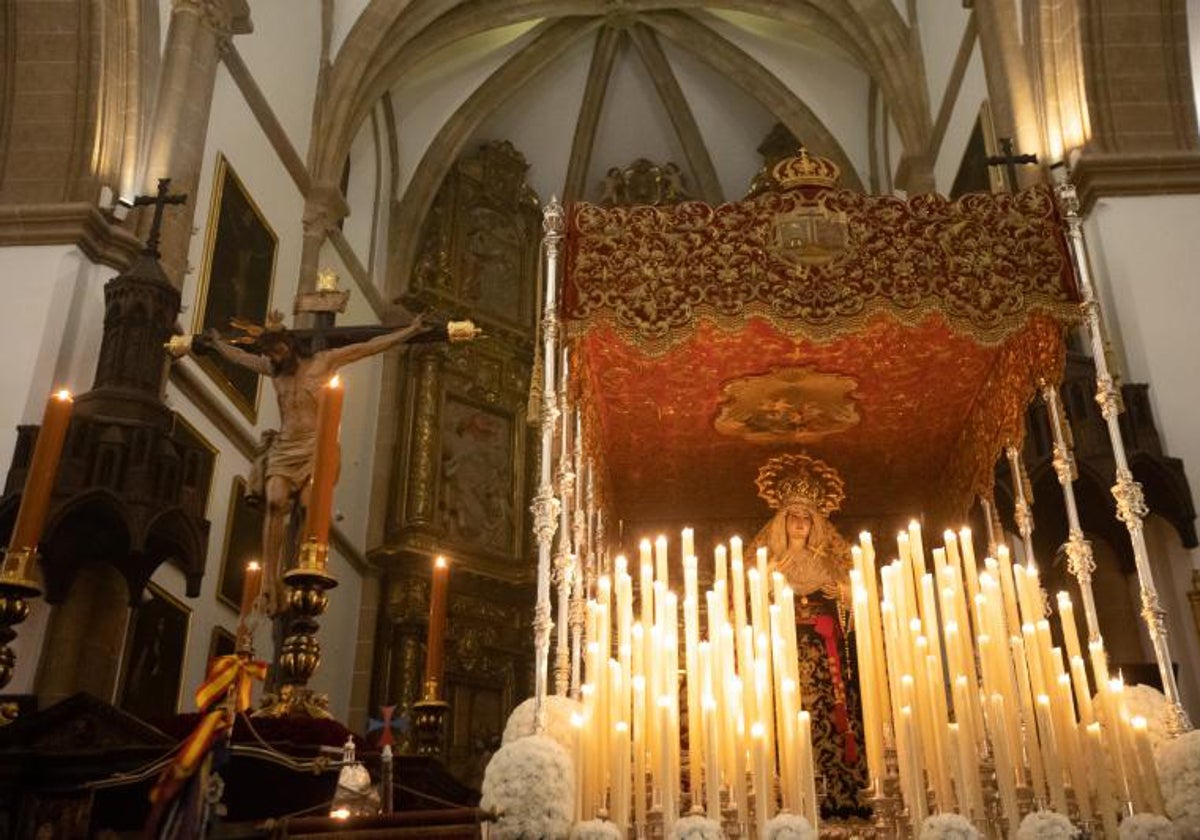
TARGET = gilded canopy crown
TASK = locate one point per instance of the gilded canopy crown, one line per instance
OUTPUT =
(805, 170)
(801, 479)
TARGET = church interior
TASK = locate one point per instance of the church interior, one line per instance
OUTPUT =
(685, 418)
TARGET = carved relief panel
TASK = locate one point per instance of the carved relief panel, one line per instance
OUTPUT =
(478, 249)
(461, 476)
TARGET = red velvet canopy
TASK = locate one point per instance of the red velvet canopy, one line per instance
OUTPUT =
(898, 341)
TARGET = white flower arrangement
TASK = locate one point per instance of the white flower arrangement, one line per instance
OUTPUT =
(1148, 702)
(785, 826)
(1148, 827)
(1046, 825)
(558, 721)
(599, 829)
(696, 827)
(948, 827)
(529, 785)
(1178, 763)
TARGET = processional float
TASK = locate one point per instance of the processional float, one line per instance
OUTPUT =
(948, 318)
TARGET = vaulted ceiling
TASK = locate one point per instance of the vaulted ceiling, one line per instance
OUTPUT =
(585, 85)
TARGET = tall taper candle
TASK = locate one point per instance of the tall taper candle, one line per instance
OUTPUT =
(39, 478)
(435, 645)
(325, 464)
(250, 586)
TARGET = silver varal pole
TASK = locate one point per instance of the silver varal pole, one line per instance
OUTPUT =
(562, 557)
(1131, 503)
(1080, 562)
(578, 616)
(545, 504)
(1022, 509)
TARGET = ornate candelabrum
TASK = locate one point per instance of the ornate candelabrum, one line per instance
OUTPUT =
(429, 721)
(17, 587)
(307, 598)
(18, 581)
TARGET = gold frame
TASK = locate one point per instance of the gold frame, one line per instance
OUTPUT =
(219, 633)
(157, 591)
(248, 409)
(231, 509)
(213, 450)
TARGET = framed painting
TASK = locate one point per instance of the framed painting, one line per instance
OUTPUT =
(197, 476)
(156, 644)
(243, 543)
(235, 279)
(974, 174)
(477, 500)
(222, 643)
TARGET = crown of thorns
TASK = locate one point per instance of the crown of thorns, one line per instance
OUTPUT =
(800, 479)
(253, 333)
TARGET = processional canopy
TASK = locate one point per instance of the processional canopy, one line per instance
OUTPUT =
(898, 340)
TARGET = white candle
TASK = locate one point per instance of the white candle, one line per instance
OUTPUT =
(661, 572)
(1054, 779)
(1146, 767)
(639, 750)
(665, 772)
(764, 791)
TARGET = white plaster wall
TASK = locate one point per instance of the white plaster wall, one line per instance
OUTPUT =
(832, 86)
(430, 94)
(59, 323)
(283, 53)
(1173, 578)
(971, 96)
(53, 332)
(731, 121)
(345, 13)
(1145, 252)
(941, 25)
(1193, 16)
(361, 226)
(540, 119)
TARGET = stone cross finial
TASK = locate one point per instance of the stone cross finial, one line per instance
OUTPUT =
(159, 200)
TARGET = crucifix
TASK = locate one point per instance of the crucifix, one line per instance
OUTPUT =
(298, 363)
(160, 200)
(1009, 161)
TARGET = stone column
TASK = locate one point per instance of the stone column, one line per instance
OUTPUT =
(324, 207)
(197, 30)
(418, 509)
(1010, 88)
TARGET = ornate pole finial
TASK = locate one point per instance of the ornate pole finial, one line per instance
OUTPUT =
(160, 200)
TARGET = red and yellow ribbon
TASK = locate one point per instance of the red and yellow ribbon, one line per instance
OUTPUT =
(226, 673)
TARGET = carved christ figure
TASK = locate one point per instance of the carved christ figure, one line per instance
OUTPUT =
(298, 379)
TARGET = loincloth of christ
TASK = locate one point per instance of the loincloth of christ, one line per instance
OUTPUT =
(290, 456)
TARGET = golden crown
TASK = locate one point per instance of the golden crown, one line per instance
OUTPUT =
(801, 479)
(805, 170)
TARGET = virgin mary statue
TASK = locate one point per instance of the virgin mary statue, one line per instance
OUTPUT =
(807, 549)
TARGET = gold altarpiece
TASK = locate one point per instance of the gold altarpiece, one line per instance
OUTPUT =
(461, 474)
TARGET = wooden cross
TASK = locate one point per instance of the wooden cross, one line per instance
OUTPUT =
(326, 304)
(1009, 161)
(160, 200)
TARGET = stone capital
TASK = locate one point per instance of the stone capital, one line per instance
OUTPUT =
(914, 174)
(324, 207)
(225, 17)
